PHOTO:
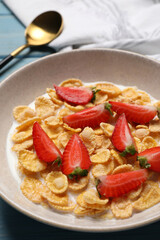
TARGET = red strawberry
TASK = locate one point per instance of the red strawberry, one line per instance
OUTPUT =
(121, 183)
(74, 95)
(45, 148)
(76, 160)
(122, 138)
(150, 158)
(136, 113)
(90, 117)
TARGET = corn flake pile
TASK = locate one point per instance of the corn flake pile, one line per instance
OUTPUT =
(43, 183)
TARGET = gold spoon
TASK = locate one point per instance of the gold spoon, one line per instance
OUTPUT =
(44, 28)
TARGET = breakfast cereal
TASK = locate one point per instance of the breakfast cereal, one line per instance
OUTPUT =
(45, 182)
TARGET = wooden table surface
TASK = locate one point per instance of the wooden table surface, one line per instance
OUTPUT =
(13, 224)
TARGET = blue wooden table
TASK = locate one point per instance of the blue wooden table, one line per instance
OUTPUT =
(13, 224)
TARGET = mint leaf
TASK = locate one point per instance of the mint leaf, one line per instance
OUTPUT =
(94, 90)
(78, 172)
(128, 150)
(143, 162)
(108, 107)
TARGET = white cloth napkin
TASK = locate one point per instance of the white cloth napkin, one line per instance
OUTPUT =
(124, 24)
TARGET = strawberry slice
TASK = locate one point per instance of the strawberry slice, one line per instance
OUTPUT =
(45, 148)
(76, 160)
(90, 117)
(150, 158)
(74, 95)
(137, 113)
(121, 183)
(122, 138)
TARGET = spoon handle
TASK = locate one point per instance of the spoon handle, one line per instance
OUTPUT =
(7, 59)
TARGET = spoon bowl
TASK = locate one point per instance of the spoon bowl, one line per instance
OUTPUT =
(44, 28)
(41, 31)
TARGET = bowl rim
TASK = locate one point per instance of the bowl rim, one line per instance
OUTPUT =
(67, 226)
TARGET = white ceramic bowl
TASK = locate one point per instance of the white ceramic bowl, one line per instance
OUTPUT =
(26, 84)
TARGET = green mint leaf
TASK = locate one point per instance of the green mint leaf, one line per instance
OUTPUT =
(78, 172)
(108, 107)
(94, 90)
(129, 150)
(58, 161)
(143, 162)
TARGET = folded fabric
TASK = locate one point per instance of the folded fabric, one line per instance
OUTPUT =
(131, 25)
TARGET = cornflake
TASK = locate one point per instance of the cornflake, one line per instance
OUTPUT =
(150, 196)
(24, 145)
(103, 169)
(53, 121)
(69, 208)
(54, 97)
(154, 126)
(121, 207)
(130, 93)
(77, 185)
(74, 108)
(71, 83)
(88, 137)
(31, 189)
(54, 190)
(148, 142)
(61, 200)
(107, 129)
(57, 182)
(23, 113)
(123, 168)
(101, 157)
(30, 161)
(109, 88)
(44, 107)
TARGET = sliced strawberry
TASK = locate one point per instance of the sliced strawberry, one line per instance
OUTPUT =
(122, 138)
(137, 113)
(150, 158)
(45, 148)
(76, 160)
(90, 117)
(121, 183)
(74, 95)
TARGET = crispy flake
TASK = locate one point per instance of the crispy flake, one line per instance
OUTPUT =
(23, 113)
(88, 137)
(110, 89)
(121, 208)
(54, 97)
(101, 157)
(107, 129)
(123, 168)
(44, 107)
(68, 208)
(154, 126)
(103, 169)
(53, 121)
(72, 82)
(57, 182)
(75, 130)
(31, 189)
(74, 108)
(61, 200)
(148, 142)
(117, 158)
(78, 185)
(130, 92)
(30, 161)
(28, 144)
(150, 196)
